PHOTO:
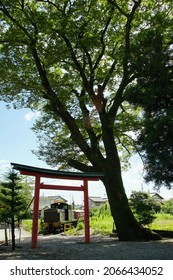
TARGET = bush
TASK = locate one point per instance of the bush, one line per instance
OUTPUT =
(80, 226)
(144, 207)
(168, 207)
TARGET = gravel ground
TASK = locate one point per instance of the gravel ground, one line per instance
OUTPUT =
(59, 247)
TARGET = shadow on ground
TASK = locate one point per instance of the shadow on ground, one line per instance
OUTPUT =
(57, 247)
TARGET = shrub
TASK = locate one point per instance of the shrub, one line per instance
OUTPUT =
(80, 226)
(144, 207)
(168, 207)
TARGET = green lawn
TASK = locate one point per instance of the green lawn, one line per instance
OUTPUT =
(104, 224)
(27, 225)
(163, 222)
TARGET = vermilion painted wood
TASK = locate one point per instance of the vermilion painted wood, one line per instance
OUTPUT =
(61, 187)
(86, 212)
(35, 212)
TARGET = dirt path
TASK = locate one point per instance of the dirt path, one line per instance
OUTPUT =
(59, 247)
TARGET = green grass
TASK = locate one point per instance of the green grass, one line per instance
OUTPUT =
(27, 225)
(162, 222)
(103, 224)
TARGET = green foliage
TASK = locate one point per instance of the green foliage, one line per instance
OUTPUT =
(73, 61)
(101, 220)
(168, 207)
(14, 199)
(27, 225)
(70, 64)
(144, 207)
(104, 210)
(100, 226)
(163, 222)
(80, 226)
(153, 92)
(15, 196)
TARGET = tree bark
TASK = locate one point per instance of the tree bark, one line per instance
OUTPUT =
(128, 229)
(6, 237)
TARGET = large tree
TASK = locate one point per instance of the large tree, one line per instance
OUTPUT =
(72, 61)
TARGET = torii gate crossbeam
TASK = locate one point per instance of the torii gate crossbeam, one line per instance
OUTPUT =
(38, 173)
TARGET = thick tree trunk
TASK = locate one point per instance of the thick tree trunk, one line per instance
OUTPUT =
(127, 227)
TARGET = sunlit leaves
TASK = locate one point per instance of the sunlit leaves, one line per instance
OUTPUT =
(73, 60)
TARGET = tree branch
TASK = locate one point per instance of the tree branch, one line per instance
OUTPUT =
(135, 146)
(119, 140)
(102, 42)
(7, 14)
(86, 117)
(75, 60)
(58, 108)
(114, 3)
(125, 78)
(81, 166)
(49, 2)
(111, 70)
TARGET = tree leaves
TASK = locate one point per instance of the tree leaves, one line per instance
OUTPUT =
(73, 60)
(14, 197)
(153, 92)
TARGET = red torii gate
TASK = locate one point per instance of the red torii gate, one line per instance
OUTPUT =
(39, 173)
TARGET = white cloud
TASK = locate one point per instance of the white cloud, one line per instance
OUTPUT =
(31, 115)
(4, 167)
(139, 169)
(4, 164)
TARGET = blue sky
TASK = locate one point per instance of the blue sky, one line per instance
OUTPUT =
(17, 141)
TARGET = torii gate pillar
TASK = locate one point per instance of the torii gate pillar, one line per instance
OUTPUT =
(86, 212)
(35, 212)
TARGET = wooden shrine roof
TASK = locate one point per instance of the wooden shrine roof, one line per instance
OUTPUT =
(31, 170)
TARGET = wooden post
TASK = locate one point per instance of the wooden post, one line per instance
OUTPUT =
(86, 212)
(35, 212)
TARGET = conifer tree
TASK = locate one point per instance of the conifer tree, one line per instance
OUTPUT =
(14, 199)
